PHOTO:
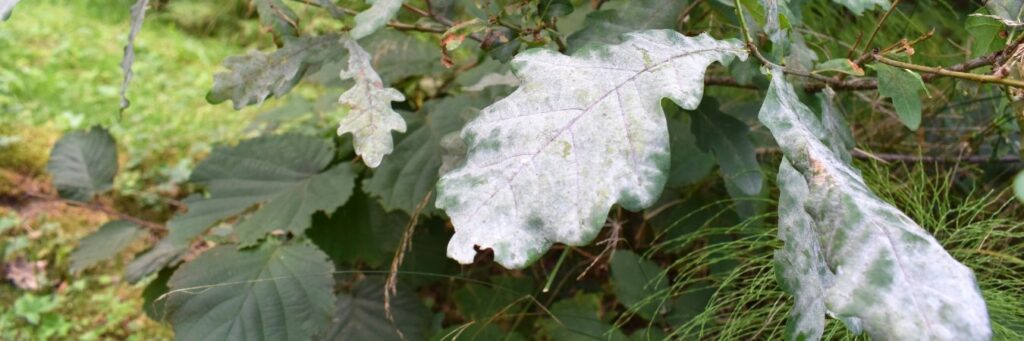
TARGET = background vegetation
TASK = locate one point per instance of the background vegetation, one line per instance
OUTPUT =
(696, 266)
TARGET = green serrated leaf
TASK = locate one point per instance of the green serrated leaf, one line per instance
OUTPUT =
(581, 134)
(285, 173)
(359, 232)
(840, 65)
(254, 77)
(83, 164)
(637, 282)
(162, 254)
(6, 7)
(276, 291)
(482, 303)
(111, 238)
(375, 17)
(579, 318)
(277, 16)
(406, 177)
(153, 301)
(360, 315)
(902, 86)
(619, 17)
(728, 139)
(370, 118)
(891, 278)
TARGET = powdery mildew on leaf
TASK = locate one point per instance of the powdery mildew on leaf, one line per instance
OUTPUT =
(138, 15)
(799, 263)
(6, 6)
(375, 17)
(859, 6)
(581, 133)
(892, 278)
(371, 118)
(252, 78)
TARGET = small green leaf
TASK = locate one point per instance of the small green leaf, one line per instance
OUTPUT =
(360, 315)
(83, 164)
(637, 283)
(985, 33)
(370, 118)
(276, 291)
(550, 9)
(841, 65)
(728, 139)
(482, 303)
(579, 318)
(112, 238)
(372, 19)
(903, 87)
(277, 16)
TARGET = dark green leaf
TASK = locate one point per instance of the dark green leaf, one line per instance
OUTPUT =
(409, 174)
(618, 17)
(276, 291)
(637, 282)
(472, 331)
(579, 319)
(689, 163)
(482, 302)
(550, 9)
(112, 238)
(83, 163)
(153, 301)
(359, 231)
(903, 87)
(286, 173)
(985, 33)
(728, 139)
(360, 315)
(165, 252)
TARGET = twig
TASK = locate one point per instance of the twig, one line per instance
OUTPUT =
(99, 208)
(950, 73)
(391, 285)
(871, 38)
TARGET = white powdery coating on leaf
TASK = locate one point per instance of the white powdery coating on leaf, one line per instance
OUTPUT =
(375, 17)
(6, 6)
(581, 133)
(371, 118)
(891, 276)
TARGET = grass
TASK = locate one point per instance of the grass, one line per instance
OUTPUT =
(747, 304)
(60, 71)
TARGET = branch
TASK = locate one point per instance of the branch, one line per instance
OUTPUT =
(99, 208)
(950, 73)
